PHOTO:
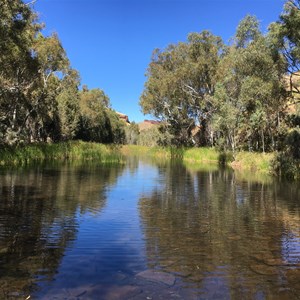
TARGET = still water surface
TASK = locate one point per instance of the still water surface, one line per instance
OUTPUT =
(147, 230)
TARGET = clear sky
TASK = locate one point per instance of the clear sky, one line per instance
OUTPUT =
(110, 41)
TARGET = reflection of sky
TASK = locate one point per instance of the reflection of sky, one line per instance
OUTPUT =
(240, 195)
(110, 243)
(109, 240)
(290, 247)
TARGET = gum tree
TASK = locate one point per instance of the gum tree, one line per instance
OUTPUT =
(250, 94)
(180, 83)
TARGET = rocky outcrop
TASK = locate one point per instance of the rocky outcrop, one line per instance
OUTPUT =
(123, 117)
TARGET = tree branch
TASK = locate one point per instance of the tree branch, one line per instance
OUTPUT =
(31, 2)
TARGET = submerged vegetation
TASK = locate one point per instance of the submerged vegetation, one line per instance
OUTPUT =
(227, 98)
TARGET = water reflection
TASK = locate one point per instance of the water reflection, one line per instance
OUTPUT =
(225, 237)
(39, 211)
(87, 232)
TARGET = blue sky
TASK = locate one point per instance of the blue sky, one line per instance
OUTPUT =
(110, 41)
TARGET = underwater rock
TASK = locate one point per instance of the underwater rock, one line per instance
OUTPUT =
(158, 276)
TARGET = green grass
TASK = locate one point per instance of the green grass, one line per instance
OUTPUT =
(244, 161)
(261, 162)
(203, 155)
(200, 155)
(84, 151)
(163, 152)
(75, 150)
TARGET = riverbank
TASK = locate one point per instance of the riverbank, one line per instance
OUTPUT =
(189, 154)
(248, 161)
(75, 150)
(78, 150)
(267, 163)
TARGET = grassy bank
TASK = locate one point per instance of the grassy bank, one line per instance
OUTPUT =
(135, 150)
(82, 151)
(255, 162)
(75, 150)
(244, 161)
(186, 154)
(189, 154)
(247, 161)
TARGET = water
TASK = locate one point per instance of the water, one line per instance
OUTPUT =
(90, 232)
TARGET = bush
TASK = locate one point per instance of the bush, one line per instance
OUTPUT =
(73, 151)
(284, 165)
(153, 137)
(293, 143)
(225, 157)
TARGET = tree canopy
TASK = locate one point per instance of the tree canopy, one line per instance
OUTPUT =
(236, 93)
(180, 83)
(39, 90)
(242, 95)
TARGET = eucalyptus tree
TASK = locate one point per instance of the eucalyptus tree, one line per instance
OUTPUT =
(53, 75)
(132, 133)
(250, 94)
(180, 83)
(18, 67)
(68, 108)
(33, 69)
(98, 122)
(286, 33)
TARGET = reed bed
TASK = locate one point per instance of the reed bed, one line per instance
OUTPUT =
(260, 162)
(75, 150)
(191, 154)
(87, 151)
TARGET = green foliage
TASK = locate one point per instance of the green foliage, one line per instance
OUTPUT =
(39, 97)
(132, 134)
(154, 136)
(79, 151)
(17, 66)
(98, 123)
(33, 72)
(68, 106)
(117, 128)
(286, 166)
(203, 154)
(293, 143)
(287, 163)
(236, 94)
(180, 83)
(288, 30)
(260, 162)
(247, 31)
(250, 96)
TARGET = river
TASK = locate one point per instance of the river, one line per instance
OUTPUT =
(147, 230)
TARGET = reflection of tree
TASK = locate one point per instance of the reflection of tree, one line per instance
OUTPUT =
(208, 226)
(38, 219)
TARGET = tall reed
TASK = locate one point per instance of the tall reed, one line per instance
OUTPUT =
(75, 150)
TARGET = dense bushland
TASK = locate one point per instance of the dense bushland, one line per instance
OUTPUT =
(40, 98)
